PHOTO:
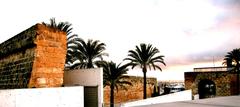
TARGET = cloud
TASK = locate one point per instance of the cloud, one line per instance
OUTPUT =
(214, 42)
(225, 3)
(186, 31)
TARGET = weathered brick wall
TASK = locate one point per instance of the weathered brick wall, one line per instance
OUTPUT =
(33, 58)
(134, 92)
(224, 81)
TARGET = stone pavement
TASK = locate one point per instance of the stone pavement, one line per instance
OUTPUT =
(229, 101)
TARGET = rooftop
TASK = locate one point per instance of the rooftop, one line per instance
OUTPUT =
(210, 69)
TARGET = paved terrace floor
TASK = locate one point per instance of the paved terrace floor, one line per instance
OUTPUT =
(230, 101)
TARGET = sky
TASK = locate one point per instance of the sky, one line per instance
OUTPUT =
(189, 33)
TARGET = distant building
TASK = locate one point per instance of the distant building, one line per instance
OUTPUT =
(211, 82)
(170, 87)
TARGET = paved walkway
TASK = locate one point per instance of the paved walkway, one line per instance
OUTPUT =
(230, 101)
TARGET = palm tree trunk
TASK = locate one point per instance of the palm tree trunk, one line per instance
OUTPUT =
(90, 64)
(112, 95)
(238, 82)
(237, 79)
(144, 82)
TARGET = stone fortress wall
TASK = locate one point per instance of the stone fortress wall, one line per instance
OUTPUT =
(133, 93)
(33, 58)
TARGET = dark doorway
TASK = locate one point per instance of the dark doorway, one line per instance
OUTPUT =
(206, 89)
(90, 96)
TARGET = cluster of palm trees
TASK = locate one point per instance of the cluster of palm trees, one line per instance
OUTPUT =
(82, 54)
(90, 53)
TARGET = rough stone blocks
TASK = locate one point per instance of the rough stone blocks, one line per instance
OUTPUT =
(134, 92)
(33, 58)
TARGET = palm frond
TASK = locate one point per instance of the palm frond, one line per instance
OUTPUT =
(145, 55)
(113, 73)
(232, 60)
(62, 26)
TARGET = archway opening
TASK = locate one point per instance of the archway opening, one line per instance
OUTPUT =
(206, 89)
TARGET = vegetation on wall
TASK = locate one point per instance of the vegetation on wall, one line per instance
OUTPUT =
(67, 28)
(62, 26)
(80, 54)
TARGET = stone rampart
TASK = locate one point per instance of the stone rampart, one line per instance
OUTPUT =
(133, 93)
(33, 58)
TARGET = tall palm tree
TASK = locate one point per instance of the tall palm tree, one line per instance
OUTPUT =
(113, 76)
(145, 57)
(232, 60)
(88, 53)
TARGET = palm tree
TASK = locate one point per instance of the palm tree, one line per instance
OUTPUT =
(71, 50)
(145, 57)
(88, 53)
(232, 60)
(113, 76)
(62, 26)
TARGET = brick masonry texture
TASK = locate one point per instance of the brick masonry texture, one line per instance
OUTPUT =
(134, 92)
(225, 82)
(33, 58)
